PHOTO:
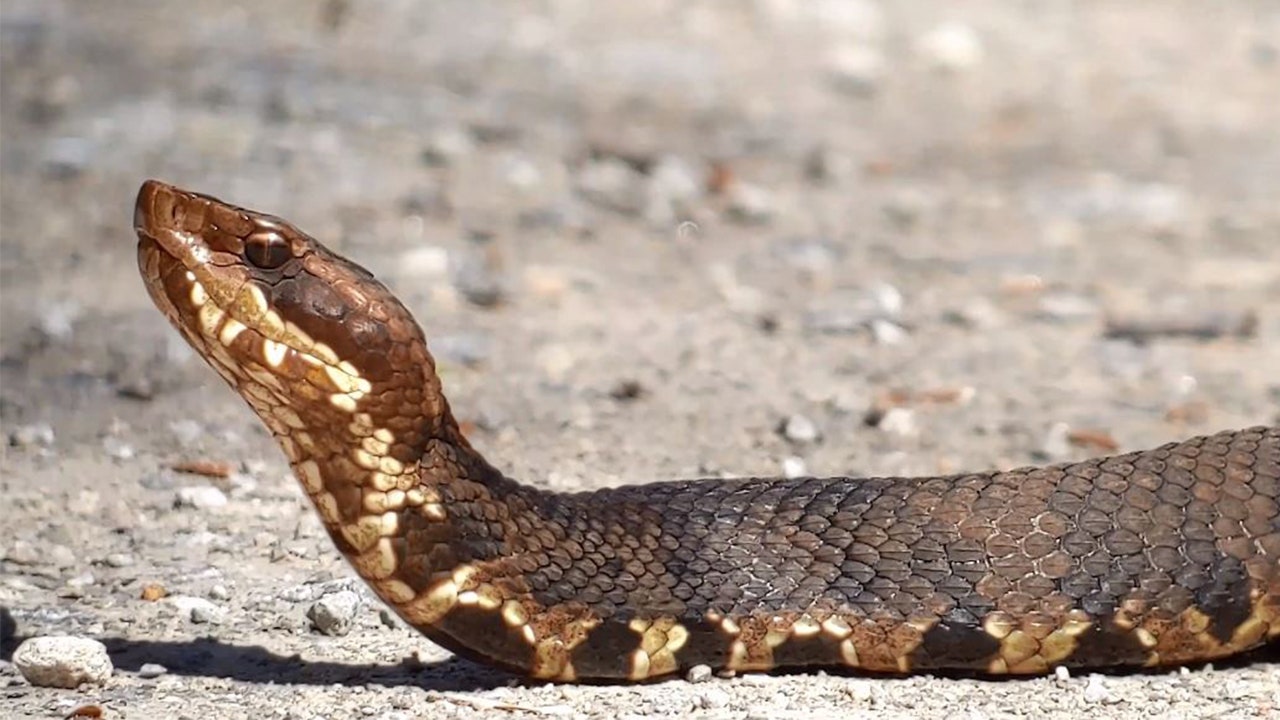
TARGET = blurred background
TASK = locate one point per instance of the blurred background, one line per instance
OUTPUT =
(836, 171)
(646, 240)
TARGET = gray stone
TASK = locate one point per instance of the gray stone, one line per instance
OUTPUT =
(335, 613)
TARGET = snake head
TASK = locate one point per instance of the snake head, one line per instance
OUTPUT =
(301, 333)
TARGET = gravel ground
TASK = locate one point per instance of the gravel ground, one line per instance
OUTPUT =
(647, 240)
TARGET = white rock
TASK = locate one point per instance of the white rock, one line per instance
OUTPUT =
(151, 670)
(698, 674)
(431, 261)
(1057, 444)
(119, 560)
(1096, 691)
(200, 497)
(794, 467)
(898, 421)
(57, 320)
(62, 661)
(801, 429)
(887, 332)
(952, 47)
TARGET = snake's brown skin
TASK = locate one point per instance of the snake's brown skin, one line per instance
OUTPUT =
(1161, 557)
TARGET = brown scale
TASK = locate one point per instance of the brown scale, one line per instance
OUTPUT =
(1161, 557)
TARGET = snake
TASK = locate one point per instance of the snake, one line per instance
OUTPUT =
(1162, 557)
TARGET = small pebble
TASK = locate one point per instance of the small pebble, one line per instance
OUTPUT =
(612, 184)
(952, 47)
(57, 319)
(60, 556)
(478, 276)
(750, 204)
(1057, 442)
(800, 429)
(200, 497)
(426, 261)
(117, 448)
(118, 560)
(151, 670)
(62, 661)
(713, 698)
(81, 581)
(1067, 307)
(186, 431)
(887, 333)
(898, 421)
(447, 144)
(856, 69)
(859, 690)
(219, 592)
(698, 674)
(794, 467)
(198, 610)
(335, 613)
(672, 191)
(39, 434)
(1096, 691)
(1062, 674)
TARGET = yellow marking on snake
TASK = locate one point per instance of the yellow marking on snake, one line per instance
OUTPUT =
(210, 318)
(364, 459)
(274, 352)
(660, 639)
(374, 446)
(231, 329)
(395, 591)
(308, 471)
(513, 614)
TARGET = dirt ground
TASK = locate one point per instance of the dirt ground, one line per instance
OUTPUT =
(647, 240)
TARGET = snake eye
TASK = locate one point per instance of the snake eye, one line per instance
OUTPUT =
(267, 249)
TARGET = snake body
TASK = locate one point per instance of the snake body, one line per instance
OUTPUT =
(1160, 557)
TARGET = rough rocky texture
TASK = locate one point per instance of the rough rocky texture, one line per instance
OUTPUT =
(62, 662)
(1080, 166)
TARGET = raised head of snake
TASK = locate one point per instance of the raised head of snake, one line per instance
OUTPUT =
(1159, 557)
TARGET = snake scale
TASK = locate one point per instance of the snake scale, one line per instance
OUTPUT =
(1153, 558)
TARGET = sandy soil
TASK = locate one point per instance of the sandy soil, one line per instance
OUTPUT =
(675, 239)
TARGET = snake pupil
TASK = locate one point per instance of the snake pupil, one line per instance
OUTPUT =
(267, 250)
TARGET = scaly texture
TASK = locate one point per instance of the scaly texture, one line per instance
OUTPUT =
(1161, 557)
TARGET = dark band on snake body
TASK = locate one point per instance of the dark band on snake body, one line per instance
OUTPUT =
(1161, 557)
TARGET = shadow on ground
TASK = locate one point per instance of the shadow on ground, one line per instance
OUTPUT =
(207, 657)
